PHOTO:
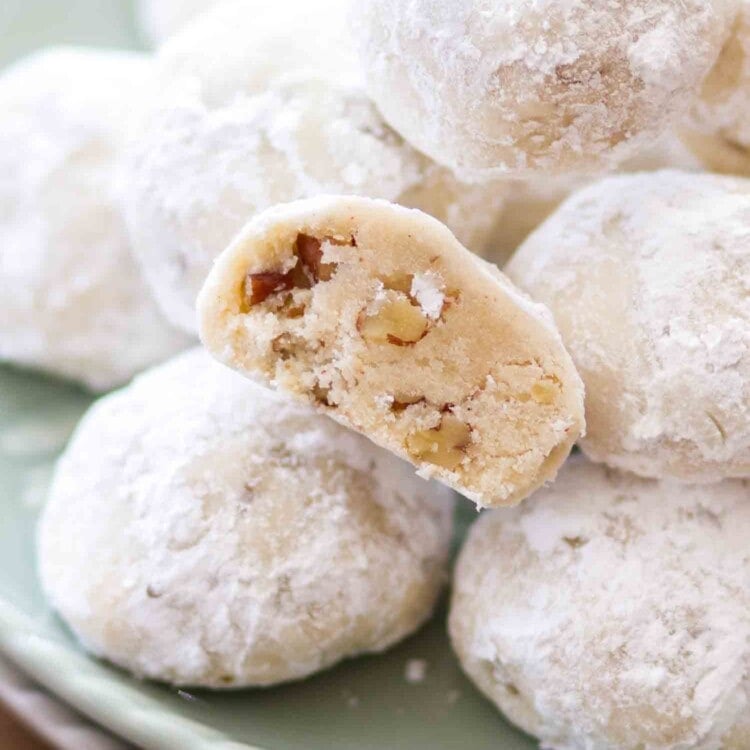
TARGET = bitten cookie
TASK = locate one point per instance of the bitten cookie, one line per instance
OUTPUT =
(72, 300)
(648, 278)
(265, 107)
(489, 88)
(612, 612)
(377, 315)
(202, 530)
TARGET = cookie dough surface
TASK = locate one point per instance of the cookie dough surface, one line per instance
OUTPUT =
(612, 612)
(202, 530)
(490, 88)
(377, 315)
(73, 301)
(255, 109)
(647, 277)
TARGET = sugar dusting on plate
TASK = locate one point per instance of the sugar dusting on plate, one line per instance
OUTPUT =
(415, 671)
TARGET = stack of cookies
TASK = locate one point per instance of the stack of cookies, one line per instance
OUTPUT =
(324, 194)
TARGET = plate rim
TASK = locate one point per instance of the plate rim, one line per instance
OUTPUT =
(49, 718)
(121, 708)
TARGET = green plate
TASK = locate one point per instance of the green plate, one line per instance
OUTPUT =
(366, 704)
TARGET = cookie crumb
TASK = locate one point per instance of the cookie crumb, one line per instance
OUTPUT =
(415, 671)
(351, 700)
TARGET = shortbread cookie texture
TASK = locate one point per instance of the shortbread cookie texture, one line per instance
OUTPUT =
(648, 278)
(72, 300)
(265, 107)
(719, 130)
(612, 612)
(377, 315)
(202, 530)
(491, 88)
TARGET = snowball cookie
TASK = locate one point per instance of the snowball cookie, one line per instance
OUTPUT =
(648, 277)
(202, 530)
(529, 202)
(73, 301)
(261, 108)
(376, 314)
(160, 19)
(720, 129)
(496, 86)
(612, 612)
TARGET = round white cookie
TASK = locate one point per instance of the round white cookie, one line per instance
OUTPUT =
(719, 131)
(612, 612)
(529, 202)
(73, 301)
(494, 87)
(378, 316)
(159, 19)
(648, 278)
(202, 530)
(255, 109)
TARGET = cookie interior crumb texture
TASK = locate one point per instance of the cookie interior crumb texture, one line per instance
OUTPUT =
(203, 530)
(378, 316)
(612, 612)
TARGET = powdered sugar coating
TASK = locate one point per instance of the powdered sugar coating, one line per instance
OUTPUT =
(719, 130)
(202, 530)
(529, 202)
(261, 108)
(73, 301)
(489, 87)
(648, 277)
(612, 612)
